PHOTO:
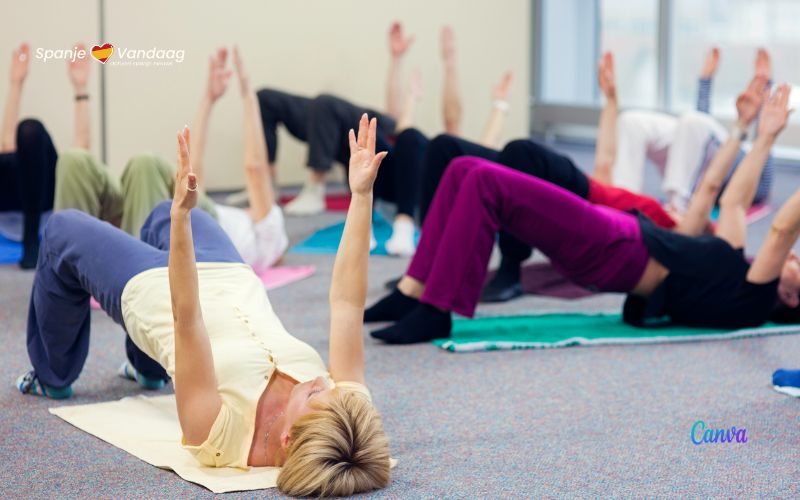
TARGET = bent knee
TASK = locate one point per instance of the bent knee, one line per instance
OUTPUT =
(410, 136)
(74, 162)
(147, 166)
(696, 119)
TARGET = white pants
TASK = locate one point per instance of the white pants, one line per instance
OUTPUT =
(677, 145)
(260, 243)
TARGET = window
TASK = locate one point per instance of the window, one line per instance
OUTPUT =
(659, 47)
(738, 28)
(575, 32)
(629, 30)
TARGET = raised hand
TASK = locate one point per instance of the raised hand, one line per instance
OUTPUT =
(241, 72)
(775, 112)
(364, 162)
(448, 44)
(605, 76)
(218, 76)
(763, 66)
(749, 102)
(398, 43)
(185, 196)
(710, 64)
(20, 58)
(500, 91)
(78, 70)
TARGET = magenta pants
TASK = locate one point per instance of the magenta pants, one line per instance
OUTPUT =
(594, 246)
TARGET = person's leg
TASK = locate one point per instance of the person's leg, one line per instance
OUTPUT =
(80, 257)
(282, 108)
(146, 181)
(329, 120)
(641, 135)
(85, 184)
(211, 244)
(398, 181)
(594, 246)
(687, 155)
(397, 304)
(534, 159)
(9, 183)
(36, 157)
(441, 150)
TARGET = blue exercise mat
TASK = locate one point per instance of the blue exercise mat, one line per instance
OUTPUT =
(326, 240)
(10, 251)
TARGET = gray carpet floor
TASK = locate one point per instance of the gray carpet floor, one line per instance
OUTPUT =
(576, 422)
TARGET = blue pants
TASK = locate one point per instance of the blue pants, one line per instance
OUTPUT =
(81, 256)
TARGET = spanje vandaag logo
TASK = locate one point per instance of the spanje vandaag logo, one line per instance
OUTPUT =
(706, 435)
(122, 56)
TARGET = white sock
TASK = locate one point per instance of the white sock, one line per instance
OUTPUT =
(310, 201)
(401, 242)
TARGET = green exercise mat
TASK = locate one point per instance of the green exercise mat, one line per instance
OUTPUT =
(565, 330)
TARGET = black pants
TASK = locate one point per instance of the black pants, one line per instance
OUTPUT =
(323, 123)
(28, 179)
(523, 155)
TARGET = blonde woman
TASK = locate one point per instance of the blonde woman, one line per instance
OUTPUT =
(248, 393)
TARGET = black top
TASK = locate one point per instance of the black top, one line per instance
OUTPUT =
(707, 284)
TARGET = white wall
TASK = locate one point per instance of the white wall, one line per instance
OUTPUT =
(47, 93)
(305, 47)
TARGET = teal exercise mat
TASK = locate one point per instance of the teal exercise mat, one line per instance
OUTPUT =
(326, 240)
(10, 251)
(566, 330)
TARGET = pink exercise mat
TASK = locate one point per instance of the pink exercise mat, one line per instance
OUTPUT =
(273, 277)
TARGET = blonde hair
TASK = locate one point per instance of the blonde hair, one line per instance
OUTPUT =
(338, 450)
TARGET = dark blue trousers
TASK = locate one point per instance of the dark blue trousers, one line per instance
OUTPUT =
(81, 256)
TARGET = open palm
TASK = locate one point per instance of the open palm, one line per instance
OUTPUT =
(364, 162)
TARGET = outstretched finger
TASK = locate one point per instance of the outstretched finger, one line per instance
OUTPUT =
(353, 144)
(787, 90)
(363, 125)
(373, 131)
(183, 154)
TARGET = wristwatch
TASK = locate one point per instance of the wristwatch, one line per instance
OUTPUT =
(739, 132)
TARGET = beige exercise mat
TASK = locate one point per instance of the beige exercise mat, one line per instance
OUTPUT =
(148, 428)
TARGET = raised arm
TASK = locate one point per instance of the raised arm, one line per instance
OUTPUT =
(451, 97)
(702, 202)
(710, 65)
(606, 148)
(256, 165)
(412, 96)
(741, 189)
(398, 45)
(78, 71)
(349, 282)
(497, 117)
(20, 58)
(218, 78)
(778, 244)
(195, 380)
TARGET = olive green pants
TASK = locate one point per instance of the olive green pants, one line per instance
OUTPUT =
(84, 183)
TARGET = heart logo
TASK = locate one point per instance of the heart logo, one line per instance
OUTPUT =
(102, 52)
